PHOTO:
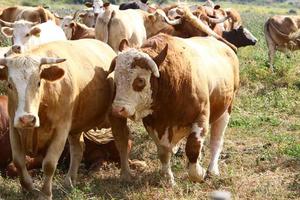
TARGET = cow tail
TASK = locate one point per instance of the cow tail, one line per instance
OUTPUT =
(42, 14)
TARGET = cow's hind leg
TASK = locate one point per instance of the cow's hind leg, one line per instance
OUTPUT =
(76, 153)
(18, 155)
(271, 47)
(53, 154)
(193, 151)
(216, 142)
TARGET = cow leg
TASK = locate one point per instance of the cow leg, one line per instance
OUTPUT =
(120, 132)
(216, 142)
(18, 156)
(76, 152)
(272, 49)
(53, 154)
(165, 155)
(193, 151)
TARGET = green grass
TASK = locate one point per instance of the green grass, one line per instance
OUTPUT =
(261, 156)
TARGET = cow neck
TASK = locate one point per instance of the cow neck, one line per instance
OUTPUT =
(171, 93)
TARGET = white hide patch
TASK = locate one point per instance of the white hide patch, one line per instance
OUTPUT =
(137, 104)
(198, 130)
(20, 73)
(196, 172)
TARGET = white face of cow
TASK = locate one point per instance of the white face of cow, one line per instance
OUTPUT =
(21, 32)
(25, 79)
(88, 18)
(133, 71)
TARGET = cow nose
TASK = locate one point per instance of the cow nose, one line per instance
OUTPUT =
(16, 49)
(119, 111)
(27, 120)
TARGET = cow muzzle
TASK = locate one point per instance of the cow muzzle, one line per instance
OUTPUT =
(27, 121)
(16, 48)
(120, 111)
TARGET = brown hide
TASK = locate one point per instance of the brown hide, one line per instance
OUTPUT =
(80, 31)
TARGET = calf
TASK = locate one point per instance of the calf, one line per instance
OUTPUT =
(76, 31)
(178, 88)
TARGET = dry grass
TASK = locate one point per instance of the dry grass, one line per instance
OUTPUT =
(261, 157)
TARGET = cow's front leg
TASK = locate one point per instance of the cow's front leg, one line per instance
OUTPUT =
(165, 155)
(193, 149)
(18, 155)
(53, 154)
(120, 132)
(76, 153)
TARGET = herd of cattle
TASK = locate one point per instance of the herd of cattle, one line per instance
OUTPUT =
(136, 61)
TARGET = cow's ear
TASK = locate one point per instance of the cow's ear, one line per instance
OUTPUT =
(8, 32)
(217, 7)
(35, 31)
(3, 69)
(72, 25)
(112, 65)
(159, 59)
(52, 73)
(106, 4)
(88, 4)
(124, 44)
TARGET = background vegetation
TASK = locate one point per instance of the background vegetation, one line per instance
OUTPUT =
(261, 157)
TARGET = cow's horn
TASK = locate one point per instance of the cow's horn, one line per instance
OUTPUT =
(217, 21)
(4, 23)
(173, 22)
(75, 14)
(52, 60)
(147, 63)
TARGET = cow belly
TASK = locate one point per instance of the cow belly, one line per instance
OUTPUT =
(170, 138)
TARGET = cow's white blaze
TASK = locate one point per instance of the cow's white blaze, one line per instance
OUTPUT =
(24, 75)
(137, 104)
(249, 35)
(98, 6)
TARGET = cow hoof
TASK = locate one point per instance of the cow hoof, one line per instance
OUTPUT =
(196, 173)
(138, 165)
(127, 177)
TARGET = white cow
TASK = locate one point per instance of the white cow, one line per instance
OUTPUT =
(27, 34)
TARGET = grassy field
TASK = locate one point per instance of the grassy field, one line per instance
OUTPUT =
(261, 156)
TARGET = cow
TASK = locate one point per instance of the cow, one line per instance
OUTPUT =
(178, 88)
(32, 14)
(5, 152)
(283, 34)
(134, 25)
(52, 98)
(27, 34)
(240, 37)
(77, 31)
(88, 17)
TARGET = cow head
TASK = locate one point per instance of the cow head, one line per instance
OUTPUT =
(88, 18)
(25, 76)
(97, 6)
(240, 37)
(133, 71)
(21, 32)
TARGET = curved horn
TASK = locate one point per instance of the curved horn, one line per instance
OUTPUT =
(217, 21)
(75, 14)
(173, 22)
(51, 60)
(4, 23)
(148, 63)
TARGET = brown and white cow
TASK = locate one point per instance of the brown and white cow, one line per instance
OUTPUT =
(283, 34)
(55, 92)
(76, 31)
(32, 14)
(178, 87)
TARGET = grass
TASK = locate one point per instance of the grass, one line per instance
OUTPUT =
(261, 156)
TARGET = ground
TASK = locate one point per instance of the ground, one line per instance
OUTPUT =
(261, 156)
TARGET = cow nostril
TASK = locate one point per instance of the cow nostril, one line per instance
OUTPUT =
(16, 49)
(28, 119)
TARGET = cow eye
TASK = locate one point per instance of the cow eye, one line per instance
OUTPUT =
(39, 83)
(27, 35)
(138, 84)
(10, 86)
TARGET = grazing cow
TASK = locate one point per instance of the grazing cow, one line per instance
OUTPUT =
(283, 34)
(134, 25)
(32, 14)
(178, 87)
(239, 37)
(52, 98)
(76, 31)
(27, 34)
